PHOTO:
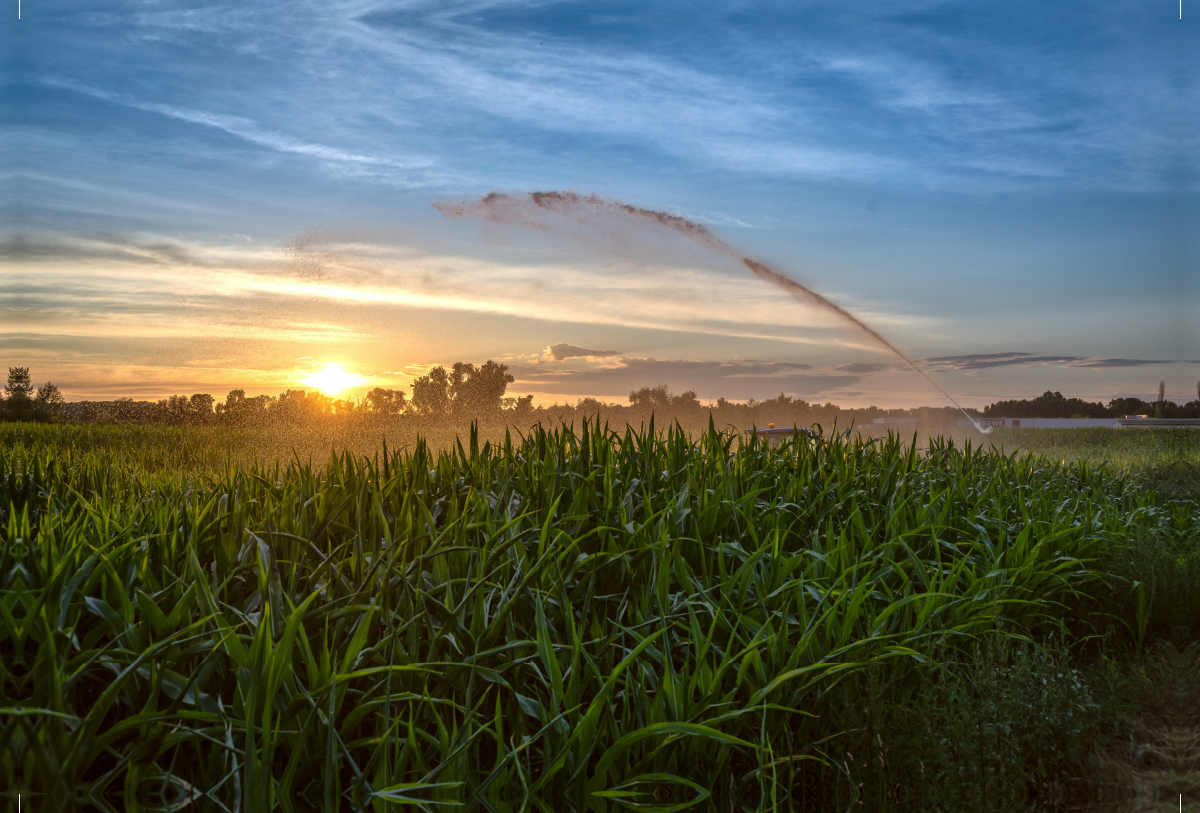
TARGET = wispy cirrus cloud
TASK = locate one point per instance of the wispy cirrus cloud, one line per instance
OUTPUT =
(984, 361)
(97, 246)
(941, 95)
(250, 130)
(754, 106)
(759, 105)
(1102, 363)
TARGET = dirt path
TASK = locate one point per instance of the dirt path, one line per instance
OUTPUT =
(1158, 760)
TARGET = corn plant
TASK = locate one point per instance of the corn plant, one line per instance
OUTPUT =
(574, 619)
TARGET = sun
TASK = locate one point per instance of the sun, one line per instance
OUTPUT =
(333, 379)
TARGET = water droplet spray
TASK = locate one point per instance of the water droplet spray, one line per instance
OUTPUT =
(500, 208)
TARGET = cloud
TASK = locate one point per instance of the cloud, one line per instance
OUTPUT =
(657, 284)
(860, 368)
(709, 379)
(564, 84)
(249, 130)
(984, 361)
(929, 98)
(1098, 363)
(558, 352)
(98, 246)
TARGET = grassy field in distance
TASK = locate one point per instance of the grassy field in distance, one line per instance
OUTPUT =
(1130, 450)
(1127, 449)
(579, 620)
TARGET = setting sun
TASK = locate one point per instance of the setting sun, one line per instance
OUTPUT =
(333, 379)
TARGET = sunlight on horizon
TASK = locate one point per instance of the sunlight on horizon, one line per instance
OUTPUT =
(333, 380)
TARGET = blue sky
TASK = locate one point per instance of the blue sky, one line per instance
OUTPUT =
(197, 197)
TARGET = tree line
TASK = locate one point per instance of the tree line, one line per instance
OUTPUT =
(457, 395)
(467, 392)
(1056, 405)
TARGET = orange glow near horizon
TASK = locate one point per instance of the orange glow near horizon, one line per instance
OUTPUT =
(333, 380)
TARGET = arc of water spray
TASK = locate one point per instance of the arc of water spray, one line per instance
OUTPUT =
(801, 292)
(498, 207)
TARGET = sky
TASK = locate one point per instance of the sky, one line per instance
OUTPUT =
(198, 197)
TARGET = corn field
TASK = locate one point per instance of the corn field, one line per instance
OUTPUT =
(576, 619)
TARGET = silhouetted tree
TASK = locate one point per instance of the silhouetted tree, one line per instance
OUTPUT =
(651, 399)
(301, 406)
(1119, 407)
(386, 402)
(230, 411)
(522, 407)
(431, 396)
(200, 408)
(659, 399)
(588, 406)
(238, 409)
(18, 395)
(49, 403)
(1192, 408)
(478, 390)
(175, 409)
(258, 404)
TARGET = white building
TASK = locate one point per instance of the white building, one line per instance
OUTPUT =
(1080, 423)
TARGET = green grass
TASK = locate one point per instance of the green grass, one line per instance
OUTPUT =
(576, 620)
(1121, 448)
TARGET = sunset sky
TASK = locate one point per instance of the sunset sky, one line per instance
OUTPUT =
(197, 197)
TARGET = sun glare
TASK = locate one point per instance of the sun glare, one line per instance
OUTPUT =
(333, 379)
